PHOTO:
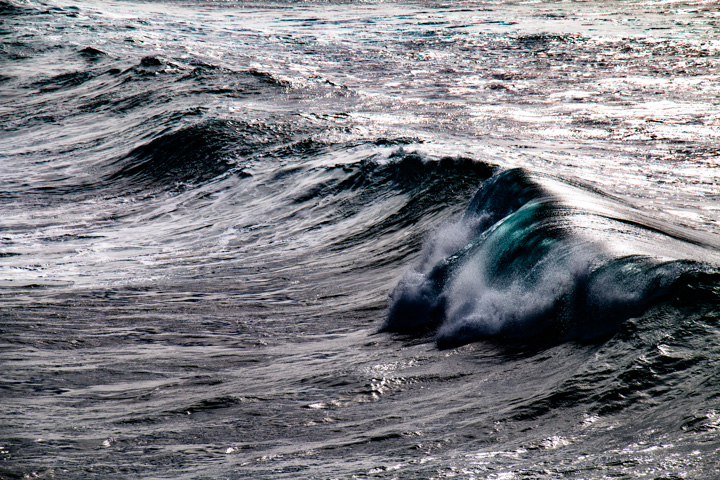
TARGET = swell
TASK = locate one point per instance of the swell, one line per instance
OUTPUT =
(102, 86)
(524, 266)
(197, 153)
(8, 8)
(425, 184)
(146, 123)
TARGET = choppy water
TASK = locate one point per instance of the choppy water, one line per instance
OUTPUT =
(359, 240)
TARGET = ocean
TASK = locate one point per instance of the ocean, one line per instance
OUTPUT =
(359, 239)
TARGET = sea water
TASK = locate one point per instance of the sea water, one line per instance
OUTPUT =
(359, 239)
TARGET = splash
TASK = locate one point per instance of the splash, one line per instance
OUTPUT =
(521, 266)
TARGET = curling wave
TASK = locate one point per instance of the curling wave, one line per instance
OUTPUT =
(524, 266)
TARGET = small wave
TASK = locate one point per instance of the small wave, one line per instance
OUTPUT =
(9, 8)
(402, 170)
(519, 266)
(64, 80)
(109, 85)
(543, 40)
(382, 195)
(199, 152)
(91, 53)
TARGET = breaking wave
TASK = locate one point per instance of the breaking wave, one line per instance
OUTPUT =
(523, 265)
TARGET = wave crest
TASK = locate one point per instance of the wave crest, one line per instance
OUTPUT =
(518, 266)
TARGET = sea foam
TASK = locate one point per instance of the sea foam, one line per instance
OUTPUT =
(519, 266)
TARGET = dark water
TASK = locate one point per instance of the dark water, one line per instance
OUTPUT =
(359, 240)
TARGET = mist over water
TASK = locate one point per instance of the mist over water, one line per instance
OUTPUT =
(359, 240)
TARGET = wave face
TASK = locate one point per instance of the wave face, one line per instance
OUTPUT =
(519, 266)
(208, 209)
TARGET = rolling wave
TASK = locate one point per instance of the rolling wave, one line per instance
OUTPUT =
(523, 265)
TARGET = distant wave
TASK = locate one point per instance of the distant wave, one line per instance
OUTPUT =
(192, 154)
(520, 266)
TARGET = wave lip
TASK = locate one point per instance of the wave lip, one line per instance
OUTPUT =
(518, 266)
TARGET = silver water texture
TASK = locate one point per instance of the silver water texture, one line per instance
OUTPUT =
(203, 217)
